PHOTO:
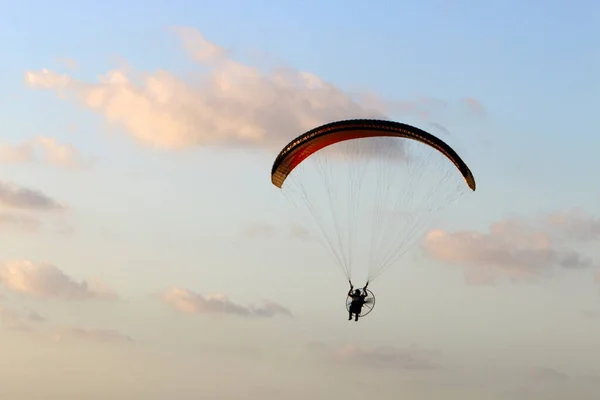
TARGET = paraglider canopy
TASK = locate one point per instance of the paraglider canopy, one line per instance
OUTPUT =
(314, 140)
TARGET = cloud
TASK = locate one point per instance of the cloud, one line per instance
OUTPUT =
(299, 232)
(405, 358)
(474, 106)
(13, 321)
(546, 374)
(266, 230)
(59, 154)
(594, 314)
(260, 229)
(441, 128)
(199, 48)
(16, 154)
(35, 317)
(194, 303)
(575, 224)
(228, 103)
(68, 63)
(391, 357)
(234, 104)
(96, 335)
(432, 103)
(519, 249)
(47, 281)
(45, 149)
(546, 382)
(22, 222)
(17, 197)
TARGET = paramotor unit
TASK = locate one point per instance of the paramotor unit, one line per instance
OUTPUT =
(371, 188)
(368, 305)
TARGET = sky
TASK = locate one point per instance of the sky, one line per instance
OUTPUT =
(146, 254)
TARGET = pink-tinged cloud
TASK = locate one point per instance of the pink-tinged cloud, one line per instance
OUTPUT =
(17, 154)
(35, 317)
(45, 149)
(20, 222)
(593, 314)
(406, 358)
(188, 301)
(199, 48)
(259, 229)
(518, 249)
(18, 197)
(432, 103)
(235, 105)
(391, 357)
(549, 383)
(299, 232)
(59, 154)
(408, 108)
(13, 321)
(441, 128)
(47, 281)
(229, 104)
(575, 224)
(474, 106)
(96, 335)
(68, 63)
(479, 277)
(266, 230)
(546, 374)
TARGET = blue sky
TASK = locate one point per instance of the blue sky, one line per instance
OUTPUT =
(173, 240)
